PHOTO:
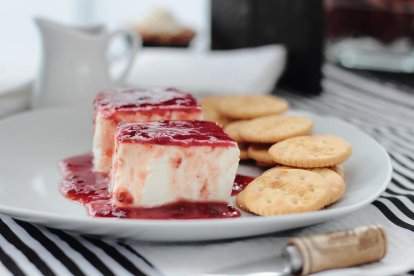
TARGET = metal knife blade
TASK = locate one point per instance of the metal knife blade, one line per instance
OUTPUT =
(274, 266)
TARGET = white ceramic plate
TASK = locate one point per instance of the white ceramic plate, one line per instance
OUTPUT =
(32, 144)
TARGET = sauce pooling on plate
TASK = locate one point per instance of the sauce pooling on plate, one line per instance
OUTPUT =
(89, 188)
(240, 183)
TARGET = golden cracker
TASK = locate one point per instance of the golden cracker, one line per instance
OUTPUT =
(311, 151)
(335, 181)
(240, 201)
(259, 152)
(264, 165)
(285, 191)
(209, 105)
(248, 107)
(272, 129)
(243, 151)
(339, 170)
(233, 130)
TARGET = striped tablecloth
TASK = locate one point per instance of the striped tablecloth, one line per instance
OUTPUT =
(384, 112)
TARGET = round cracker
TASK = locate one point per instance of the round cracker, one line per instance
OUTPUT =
(264, 165)
(335, 181)
(339, 170)
(240, 201)
(233, 129)
(272, 129)
(248, 107)
(209, 105)
(311, 151)
(243, 151)
(278, 166)
(285, 191)
(259, 152)
(244, 155)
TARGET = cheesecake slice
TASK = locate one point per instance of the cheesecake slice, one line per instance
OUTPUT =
(157, 163)
(135, 105)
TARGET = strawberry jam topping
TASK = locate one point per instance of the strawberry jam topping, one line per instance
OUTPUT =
(144, 100)
(180, 133)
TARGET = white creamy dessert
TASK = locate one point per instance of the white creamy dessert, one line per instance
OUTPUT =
(135, 105)
(158, 163)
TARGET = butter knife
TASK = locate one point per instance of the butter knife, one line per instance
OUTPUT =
(310, 254)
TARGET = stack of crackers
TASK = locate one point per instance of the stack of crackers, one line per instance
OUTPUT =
(304, 172)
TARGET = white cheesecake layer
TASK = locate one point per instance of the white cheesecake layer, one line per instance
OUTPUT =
(153, 175)
(103, 140)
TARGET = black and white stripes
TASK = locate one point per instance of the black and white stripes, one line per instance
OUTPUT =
(383, 112)
(31, 250)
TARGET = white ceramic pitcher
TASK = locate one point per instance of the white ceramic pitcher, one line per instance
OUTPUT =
(74, 63)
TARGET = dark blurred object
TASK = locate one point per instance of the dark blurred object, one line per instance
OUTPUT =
(373, 35)
(385, 20)
(178, 40)
(297, 24)
(403, 82)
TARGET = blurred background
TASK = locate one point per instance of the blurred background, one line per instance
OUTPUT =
(207, 46)
(20, 35)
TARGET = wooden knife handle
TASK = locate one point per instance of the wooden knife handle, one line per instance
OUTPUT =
(341, 249)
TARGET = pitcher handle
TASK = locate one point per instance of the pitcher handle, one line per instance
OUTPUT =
(135, 44)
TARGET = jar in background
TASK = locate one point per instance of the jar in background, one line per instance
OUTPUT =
(371, 34)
